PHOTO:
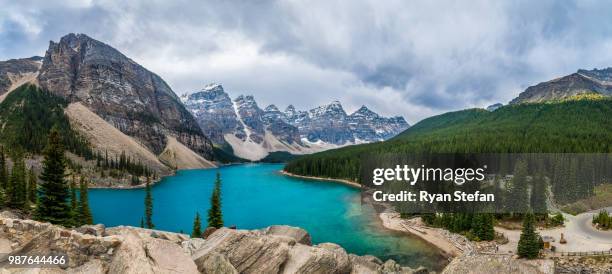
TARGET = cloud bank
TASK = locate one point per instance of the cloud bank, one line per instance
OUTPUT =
(410, 58)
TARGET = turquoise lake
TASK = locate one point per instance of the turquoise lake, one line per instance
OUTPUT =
(255, 196)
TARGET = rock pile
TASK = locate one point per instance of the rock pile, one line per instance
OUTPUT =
(123, 249)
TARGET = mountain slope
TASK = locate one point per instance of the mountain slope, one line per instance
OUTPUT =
(253, 132)
(581, 82)
(131, 98)
(102, 136)
(28, 114)
(570, 126)
(16, 72)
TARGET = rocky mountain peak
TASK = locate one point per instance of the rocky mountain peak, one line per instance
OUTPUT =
(581, 82)
(364, 111)
(603, 75)
(253, 133)
(332, 109)
(290, 111)
(210, 92)
(271, 108)
(128, 96)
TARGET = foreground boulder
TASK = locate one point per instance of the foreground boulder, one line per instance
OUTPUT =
(124, 249)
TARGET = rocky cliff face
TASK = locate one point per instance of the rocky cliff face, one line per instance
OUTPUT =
(14, 70)
(214, 111)
(95, 249)
(254, 132)
(133, 99)
(581, 82)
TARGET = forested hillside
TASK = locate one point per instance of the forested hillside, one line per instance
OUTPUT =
(571, 126)
(27, 116)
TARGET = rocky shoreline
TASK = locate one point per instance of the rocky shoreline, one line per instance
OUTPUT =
(346, 182)
(123, 249)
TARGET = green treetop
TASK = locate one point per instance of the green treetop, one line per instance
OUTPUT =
(215, 217)
(529, 243)
(197, 227)
(54, 190)
(148, 201)
(85, 216)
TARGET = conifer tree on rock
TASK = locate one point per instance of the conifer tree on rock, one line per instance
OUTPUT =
(215, 216)
(197, 226)
(54, 193)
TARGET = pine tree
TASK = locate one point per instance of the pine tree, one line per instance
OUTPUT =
(215, 216)
(85, 216)
(32, 186)
(197, 227)
(518, 193)
(141, 222)
(529, 243)
(74, 203)
(538, 195)
(17, 189)
(148, 205)
(488, 230)
(4, 178)
(53, 191)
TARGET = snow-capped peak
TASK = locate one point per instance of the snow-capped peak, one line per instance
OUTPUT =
(364, 111)
(271, 108)
(212, 86)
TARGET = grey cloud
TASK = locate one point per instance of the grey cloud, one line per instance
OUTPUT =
(430, 57)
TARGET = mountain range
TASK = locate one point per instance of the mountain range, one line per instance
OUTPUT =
(596, 81)
(120, 107)
(116, 104)
(253, 132)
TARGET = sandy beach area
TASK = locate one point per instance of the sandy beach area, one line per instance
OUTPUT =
(347, 182)
(452, 245)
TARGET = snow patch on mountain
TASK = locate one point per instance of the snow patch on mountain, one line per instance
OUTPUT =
(253, 132)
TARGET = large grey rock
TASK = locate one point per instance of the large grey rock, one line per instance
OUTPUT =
(139, 254)
(325, 259)
(177, 238)
(248, 252)
(96, 230)
(133, 99)
(365, 264)
(299, 235)
(192, 245)
(215, 263)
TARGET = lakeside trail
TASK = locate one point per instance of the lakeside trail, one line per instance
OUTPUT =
(347, 182)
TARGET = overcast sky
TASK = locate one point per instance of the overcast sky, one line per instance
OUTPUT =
(410, 58)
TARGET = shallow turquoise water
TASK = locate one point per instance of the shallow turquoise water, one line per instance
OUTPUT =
(256, 196)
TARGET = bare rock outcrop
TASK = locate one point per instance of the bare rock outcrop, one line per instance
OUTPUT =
(131, 98)
(124, 249)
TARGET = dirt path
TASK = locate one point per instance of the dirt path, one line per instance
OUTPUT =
(578, 231)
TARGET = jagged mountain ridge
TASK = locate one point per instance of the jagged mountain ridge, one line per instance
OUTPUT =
(102, 85)
(254, 132)
(133, 99)
(16, 72)
(597, 81)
